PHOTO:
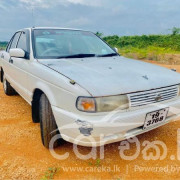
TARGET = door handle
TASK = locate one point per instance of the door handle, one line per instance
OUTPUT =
(11, 61)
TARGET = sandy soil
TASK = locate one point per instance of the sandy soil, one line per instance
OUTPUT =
(22, 155)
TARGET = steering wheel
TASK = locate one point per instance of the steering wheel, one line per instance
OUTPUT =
(51, 50)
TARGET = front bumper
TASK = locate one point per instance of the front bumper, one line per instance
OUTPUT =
(96, 129)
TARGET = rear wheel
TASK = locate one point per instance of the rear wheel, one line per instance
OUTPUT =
(8, 89)
(47, 122)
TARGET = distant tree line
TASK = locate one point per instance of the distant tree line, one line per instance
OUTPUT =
(171, 41)
(166, 41)
(3, 45)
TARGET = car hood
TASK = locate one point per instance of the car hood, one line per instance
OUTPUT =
(113, 75)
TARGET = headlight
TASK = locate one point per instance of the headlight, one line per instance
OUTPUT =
(102, 104)
(111, 103)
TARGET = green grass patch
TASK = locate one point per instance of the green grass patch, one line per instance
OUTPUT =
(50, 173)
(150, 53)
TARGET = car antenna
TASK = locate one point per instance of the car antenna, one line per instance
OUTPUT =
(33, 16)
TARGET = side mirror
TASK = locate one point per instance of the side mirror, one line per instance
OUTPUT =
(17, 52)
(116, 49)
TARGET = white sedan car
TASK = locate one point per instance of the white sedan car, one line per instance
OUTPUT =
(82, 89)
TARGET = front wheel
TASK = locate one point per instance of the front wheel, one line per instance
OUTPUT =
(8, 89)
(47, 122)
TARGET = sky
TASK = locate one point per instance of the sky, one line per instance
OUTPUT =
(111, 17)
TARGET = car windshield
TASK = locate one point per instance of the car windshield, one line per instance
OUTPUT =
(56, 44)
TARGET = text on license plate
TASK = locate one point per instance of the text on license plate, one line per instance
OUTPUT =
(155, 118)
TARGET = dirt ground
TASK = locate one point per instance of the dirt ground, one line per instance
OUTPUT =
(22, 155)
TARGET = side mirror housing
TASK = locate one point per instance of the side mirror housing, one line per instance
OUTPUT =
(17, 52)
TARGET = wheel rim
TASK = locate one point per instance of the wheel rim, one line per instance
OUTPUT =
(5, 84)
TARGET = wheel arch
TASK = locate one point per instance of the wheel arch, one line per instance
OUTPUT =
(2, 74)
(35, 104)
(39, 89)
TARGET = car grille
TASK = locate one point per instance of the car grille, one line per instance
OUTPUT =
(153, 96)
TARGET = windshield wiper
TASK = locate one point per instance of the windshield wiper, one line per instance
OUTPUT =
(78, 56)
(87, 55)
(108, 55)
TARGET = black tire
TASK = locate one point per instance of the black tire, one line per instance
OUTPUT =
(8, 89)
(1, 75)
(47, 122)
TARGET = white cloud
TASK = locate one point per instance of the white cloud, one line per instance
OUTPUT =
(40, 3)
(48, 3)
(119, 9)
(87, 2)
(80, 22)
(2, 7)
(122, 17)
(168, 6)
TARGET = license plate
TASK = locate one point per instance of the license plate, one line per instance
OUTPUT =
(155, 118)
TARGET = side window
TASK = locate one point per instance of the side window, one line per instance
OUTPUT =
(9, 45)
(14, 41)
(22, 42)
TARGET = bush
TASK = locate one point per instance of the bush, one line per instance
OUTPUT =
(162, 41)
(3, 45)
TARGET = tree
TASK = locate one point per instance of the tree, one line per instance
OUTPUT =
(99, 34)
(175, 31)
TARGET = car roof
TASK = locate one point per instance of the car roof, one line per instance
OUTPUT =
(59, 28)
